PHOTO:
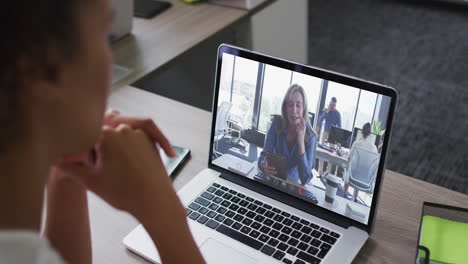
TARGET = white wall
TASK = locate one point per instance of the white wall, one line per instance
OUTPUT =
(280, 30)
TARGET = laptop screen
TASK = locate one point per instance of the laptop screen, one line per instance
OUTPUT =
(291, 127)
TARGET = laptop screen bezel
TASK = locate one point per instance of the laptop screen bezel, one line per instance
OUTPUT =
(323, 74)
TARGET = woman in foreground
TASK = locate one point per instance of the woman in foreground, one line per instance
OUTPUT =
(54, 83)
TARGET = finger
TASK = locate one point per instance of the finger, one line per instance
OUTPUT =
(150, 128)
(110, 115)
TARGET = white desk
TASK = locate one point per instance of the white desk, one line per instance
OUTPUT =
(339, 206)
(333, 158)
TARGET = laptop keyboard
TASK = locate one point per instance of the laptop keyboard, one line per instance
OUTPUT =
(274, 232)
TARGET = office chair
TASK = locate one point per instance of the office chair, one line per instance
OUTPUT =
(225, 125)
(362, 170)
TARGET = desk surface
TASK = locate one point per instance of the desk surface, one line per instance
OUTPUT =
(395, 235)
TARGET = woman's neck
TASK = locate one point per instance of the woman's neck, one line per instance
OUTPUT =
(24, 171)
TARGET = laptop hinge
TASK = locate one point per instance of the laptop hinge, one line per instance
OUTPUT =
(287, 199)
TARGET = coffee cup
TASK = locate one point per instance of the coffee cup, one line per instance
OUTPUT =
(332, 183)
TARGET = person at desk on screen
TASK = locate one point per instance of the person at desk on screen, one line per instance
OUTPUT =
(365, 143)
(291, 135)
(54, 80)
(332, 117)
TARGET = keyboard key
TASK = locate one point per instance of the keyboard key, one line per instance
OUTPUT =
(308, 258)
(211, 214)
(239, 237)
(292, 251)
(207, 196)
(299, 261)
(257, 202)
(312, 250)
(244, 203)
(252, 207)
(203, 210)
(265, 229)
(194, 206)
(295, 218)
(277, 226)
(247, 221)
(224, 188)
(296, 226)
(305, 222)
(221, 210)
(216, 185)
(279, 255)
(276, 210)
(315, 242)
(306, 230)
(245, 229)
(236, 226)
(241, 195)
(287, 261)
(268, 222)
(269, 214)
(213, 206)
(194, 215)
(219, 193)
(267, 250)
(202, 219)
(263, 238)
(254, 234)
(212, 224)
(238, 217)
(314, 226)
(232, 192)
(274, 233)
(234, 207)
(228, 222)
(230, 213)
(306, 238)
(249, 199)
(328, 239)
(287, 222)
(267, 206)
(283, 237)
(273, 242)
(316, 234)
(219, 218)
(335, 235)
(187, 212)
(259, 218)
(324, 230)
(235, 199)
(293, 242)
(225, 203)
(251, 214)
(324, 248)
(282, 246)
(217, 200)
(211, 189)
(278, 218)
(242, 211)
(302, 246)
(285, 214)
(260, 210)
(256, 226)
(296, 234)
(286, 230)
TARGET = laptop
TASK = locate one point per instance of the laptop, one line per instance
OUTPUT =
(245, 215)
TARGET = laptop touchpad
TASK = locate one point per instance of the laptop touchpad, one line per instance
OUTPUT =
(216, 252)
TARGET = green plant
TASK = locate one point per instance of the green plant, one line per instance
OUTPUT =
(377, 129)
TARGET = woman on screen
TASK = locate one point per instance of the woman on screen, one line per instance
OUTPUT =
(290, 138)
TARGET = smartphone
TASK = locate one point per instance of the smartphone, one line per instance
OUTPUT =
(149, 8)
(172, 164)
(279, 162)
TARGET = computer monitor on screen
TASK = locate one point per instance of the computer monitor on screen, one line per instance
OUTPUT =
(357, 135)
(339, 135)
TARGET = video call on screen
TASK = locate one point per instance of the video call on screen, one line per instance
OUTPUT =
(312, 138)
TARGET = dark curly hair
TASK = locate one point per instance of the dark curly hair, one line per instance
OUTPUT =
(37, 37)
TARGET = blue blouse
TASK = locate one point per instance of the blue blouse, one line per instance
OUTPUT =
(299, 168)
